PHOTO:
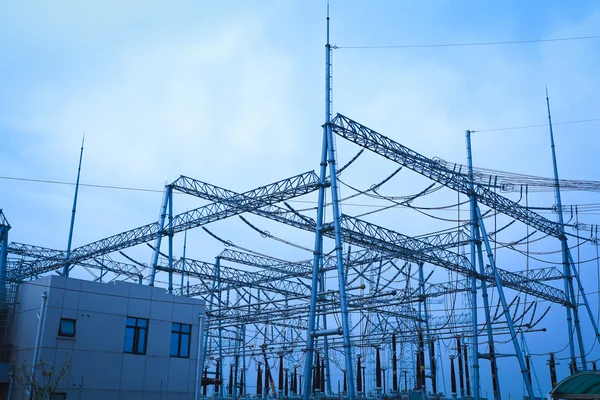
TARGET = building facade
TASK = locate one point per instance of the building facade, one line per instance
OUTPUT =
(120, 340)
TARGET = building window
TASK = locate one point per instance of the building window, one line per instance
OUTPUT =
(180, 340)
(58, 396)
(66, 327)
(136, 335)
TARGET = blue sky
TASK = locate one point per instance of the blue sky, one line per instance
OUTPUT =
(231, 93)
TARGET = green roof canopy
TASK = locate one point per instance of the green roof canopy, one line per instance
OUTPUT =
(582, 385)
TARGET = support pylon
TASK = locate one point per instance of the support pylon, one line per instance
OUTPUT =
(328, 165)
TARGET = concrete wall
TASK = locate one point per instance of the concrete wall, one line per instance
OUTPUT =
(99, 369)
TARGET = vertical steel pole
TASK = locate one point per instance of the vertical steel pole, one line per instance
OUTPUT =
(11, 380)
(231, 381)
(568, 280)
(359, 381)
(477, 250)
(4, 228)
(170, 230)
(322, 377)
(218, 378)
(161, 226)
(460, 367)
(318, 249)
(325, 340)
(38, 337)
(432, 366)
(394, 366)
(281, 380)
(377, 369)
(240, 339)
(200, 355)
(66, 267)
(210, 306)
(505, 308)
(221, 359)
(585, 300)
(183, 259)
(335, 202)
(317, 255)
(473, 276)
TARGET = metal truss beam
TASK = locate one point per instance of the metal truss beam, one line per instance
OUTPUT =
(20, 270)
(291, 269)
(432, 243)
(28, 250)
(261, 197)
(232, 278)
(437, 171)
(430, 249)
(383, 239)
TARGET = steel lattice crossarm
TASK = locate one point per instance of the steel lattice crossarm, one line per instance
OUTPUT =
(368, 235)
(436, 171)
(235, 278)
(285, 189)
(444, 288)
(205, 271)
(284, 288)
(383, 239)
(446, 240)
(517, 282)
(217, 194)
(291, 269)
(393, 305)
(275, 315)
(536, 275)
(28, 250)
(245, 202)
(455, 318)
(121, 268)
(20, 270)
(297, 312)
(430, 243)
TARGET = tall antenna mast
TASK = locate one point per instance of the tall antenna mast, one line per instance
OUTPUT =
(328, 74)
(568, 277)
(66, 268)
(328, 168)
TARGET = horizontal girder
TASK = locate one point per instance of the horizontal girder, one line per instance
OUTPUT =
(245, 202)
(437, 171)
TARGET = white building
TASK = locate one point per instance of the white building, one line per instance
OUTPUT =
(121, 340)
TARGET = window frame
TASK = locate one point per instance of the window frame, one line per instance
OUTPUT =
(58, 396)
(137, 329)
(67, 334)
(180, 333)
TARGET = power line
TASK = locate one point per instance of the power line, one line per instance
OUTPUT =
(469, 44)
(12, 178)
(537, 126)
